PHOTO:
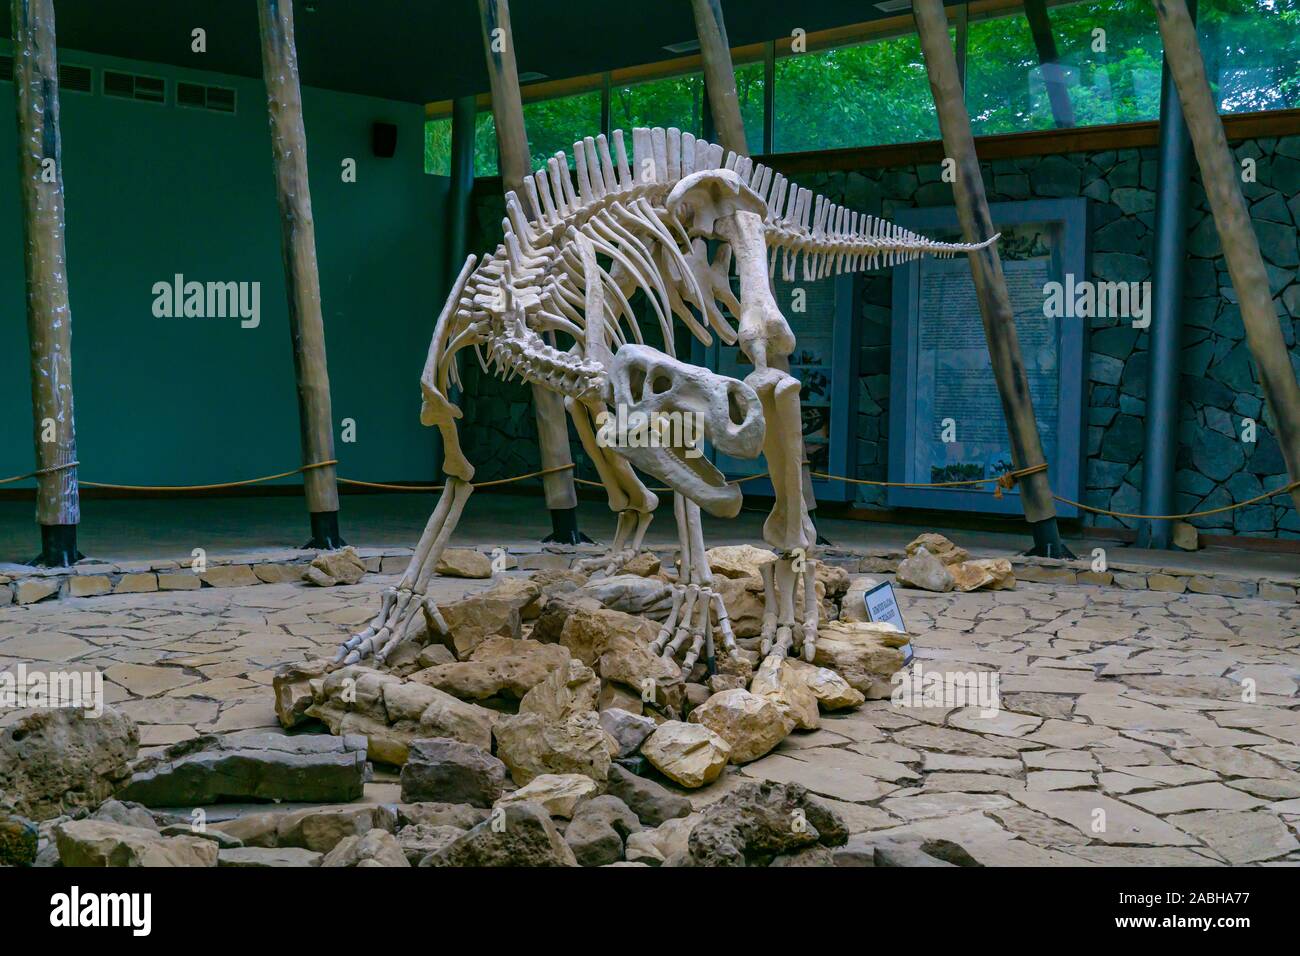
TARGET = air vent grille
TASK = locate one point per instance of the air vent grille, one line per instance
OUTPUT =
(196, 96)
(78, 79)
(149, 89)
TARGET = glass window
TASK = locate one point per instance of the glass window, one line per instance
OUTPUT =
(485, 145)
(673, 101)
(749, 91)
(1005, 87)
(437, 147)
(864, 95)
(555, 125)
(1110, 51)
(1252, 53)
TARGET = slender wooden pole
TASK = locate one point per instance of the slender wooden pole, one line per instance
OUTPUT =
(1220, 177)
(986, 269)
(512, 144)
(301, 278)
(49, 318)
(719, 75)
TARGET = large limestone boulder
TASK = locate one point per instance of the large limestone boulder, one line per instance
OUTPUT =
(599, 829)
(292, 686)
(993, 574)
(558, 793)
(418, 840)
(864, 653)
(318, 829)
(738, 561)
(587, 632)
(756, 822)
(566, 692)
(832, 691)
(464, 563)
(751, 725)
(450, 771)
(310, 768)
(257, 857)
(938, 546)
(670, 840)
(476, 618)
(777, 680)
(58, 760)
(530, 746)
(522, 836)
(743, 599)
(691, 755)
(631, 594)
(499, 667)
(100, 843)
(923, 570)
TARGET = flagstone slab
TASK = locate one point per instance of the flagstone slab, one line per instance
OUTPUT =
(1232, 762)
(1241, 837)
(1196, 796)
(836, 773)
(1104, 818)
(146, 681)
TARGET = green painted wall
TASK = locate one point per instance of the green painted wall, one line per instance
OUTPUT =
(153, 190)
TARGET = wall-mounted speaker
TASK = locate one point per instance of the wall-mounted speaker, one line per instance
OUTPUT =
(383, 139)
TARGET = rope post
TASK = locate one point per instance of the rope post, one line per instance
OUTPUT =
(512, 145)
(301, 277)
(986, 270)
(49, 318)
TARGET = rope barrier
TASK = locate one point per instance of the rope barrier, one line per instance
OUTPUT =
(1007, 481)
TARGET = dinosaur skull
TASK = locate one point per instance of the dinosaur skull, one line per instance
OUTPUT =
(702, 198)
(666, 409)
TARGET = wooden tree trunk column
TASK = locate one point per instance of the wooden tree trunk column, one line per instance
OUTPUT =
(1220, 177)
(512, 144)
(301, 278)
(986, 269)
(49, 318)
(719, 76)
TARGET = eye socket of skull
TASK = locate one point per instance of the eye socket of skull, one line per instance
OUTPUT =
(651, 382)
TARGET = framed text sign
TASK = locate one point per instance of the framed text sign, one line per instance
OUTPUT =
(946, 421)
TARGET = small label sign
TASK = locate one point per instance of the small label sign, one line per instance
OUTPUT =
(882, 607)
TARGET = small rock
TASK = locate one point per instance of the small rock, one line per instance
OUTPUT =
(751, 725)
(923, 570)
(691, 755)
(531, 745)
(645, 564)
(565, 693)
(477, 618)
(939, 546)
(669, 840)
(652, 803)
(464, 563)
(31, 590)
(738, 561)
(127, 814)
(447, 770)
(499, 667)
(376, 848)
(832, 691)
(260, 856)
(420, 839)
(522, 835)
(628, 730)
(753, 824)
(993, 574)
(777, 680)
(864, 653)
(599, 828)
(18, 841)
(335, 567)
(558, 793)
(1185, 536)
(222, 840)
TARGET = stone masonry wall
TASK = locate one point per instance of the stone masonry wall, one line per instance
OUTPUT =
(1218, 386)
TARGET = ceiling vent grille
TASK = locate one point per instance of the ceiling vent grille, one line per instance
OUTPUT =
(196, 96)
(131, 86)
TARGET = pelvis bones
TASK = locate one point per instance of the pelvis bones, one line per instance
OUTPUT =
(674, 222)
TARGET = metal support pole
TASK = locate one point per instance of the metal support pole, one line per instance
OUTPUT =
(1160, 449)
(301, 277)
(463, 114)
(1220, 175)
(769, 96)
(49, 318)
(512, 144)
(986, 269)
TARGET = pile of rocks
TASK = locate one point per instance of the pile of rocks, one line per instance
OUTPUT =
(934, 563)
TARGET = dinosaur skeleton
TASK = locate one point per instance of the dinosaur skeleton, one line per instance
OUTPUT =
(571, 265)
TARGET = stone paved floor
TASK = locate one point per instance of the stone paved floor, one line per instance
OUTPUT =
(1136, 727)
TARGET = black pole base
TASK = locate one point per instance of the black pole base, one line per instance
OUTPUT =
(564, 528)
(821, 538)
(1047, 540)
(58, 547)
(325, 531)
